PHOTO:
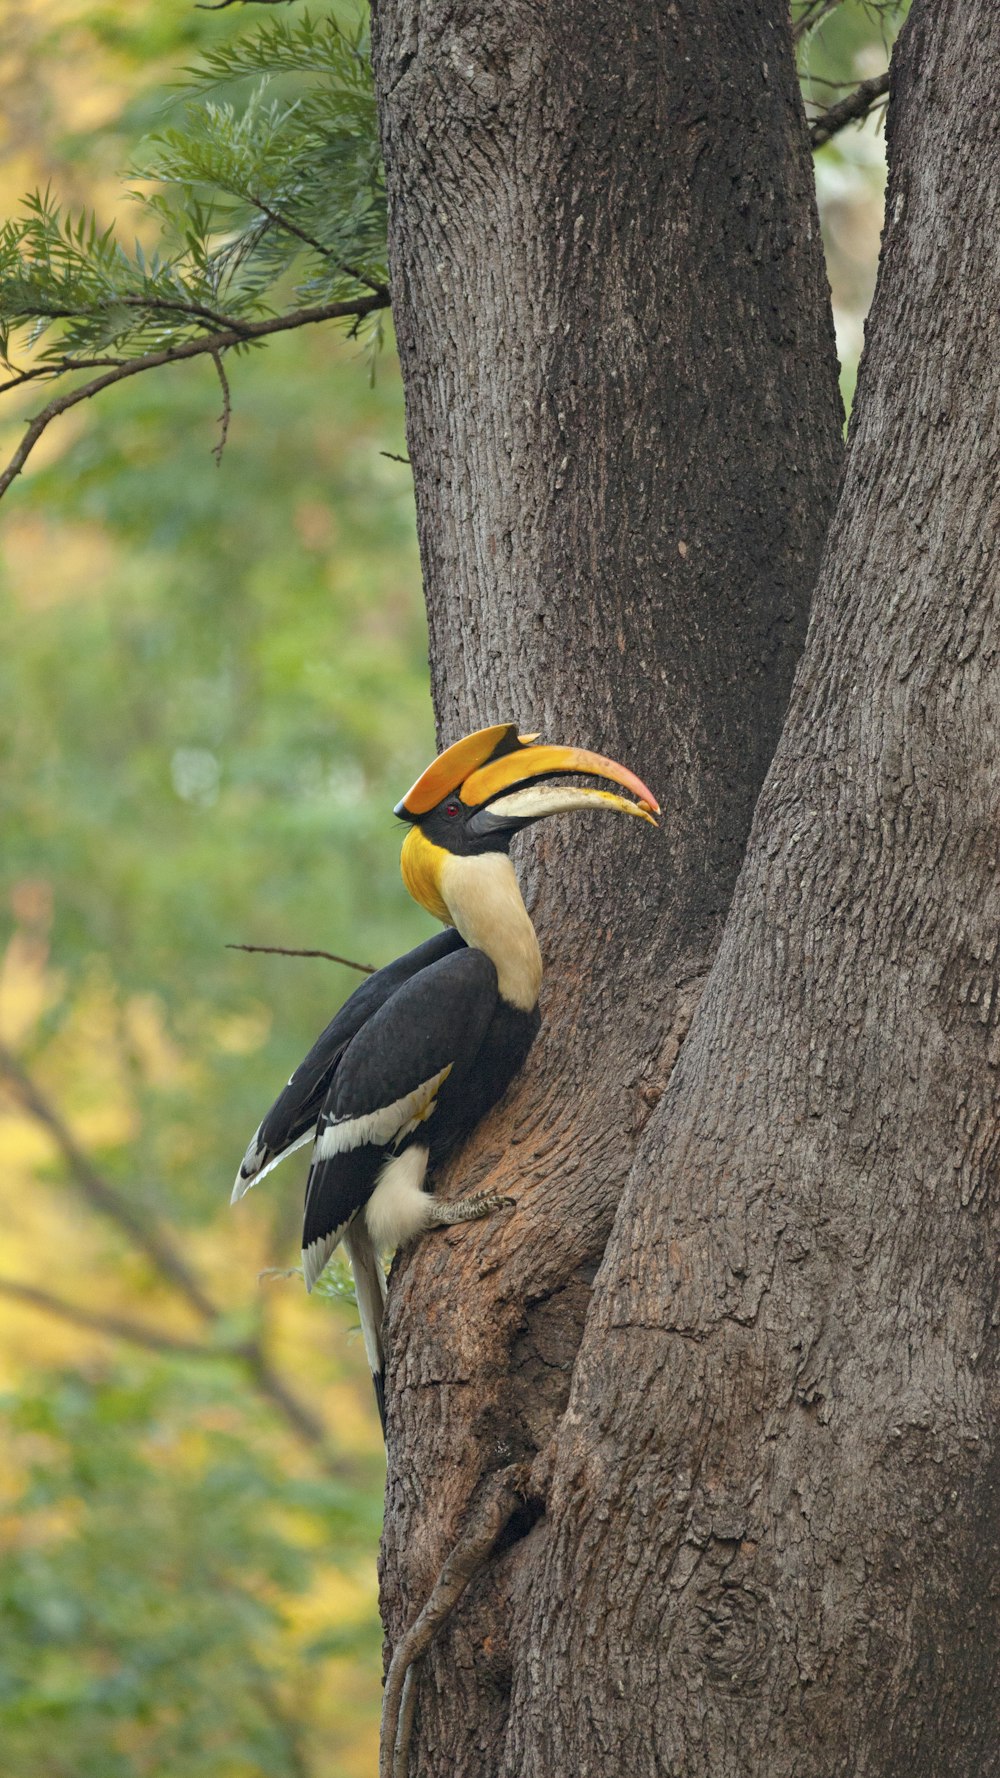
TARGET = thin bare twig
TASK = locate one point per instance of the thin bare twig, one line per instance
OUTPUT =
(280, 220)
(167, 305)
(490, 1516)
(227, 409)
(212, 344)
(853, 109)
(394, 457)
(283, 951)
(58, 368)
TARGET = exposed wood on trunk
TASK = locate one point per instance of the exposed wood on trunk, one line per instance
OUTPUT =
(771, 1542)
(624, 426)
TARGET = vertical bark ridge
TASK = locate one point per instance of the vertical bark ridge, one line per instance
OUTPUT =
(623, 418)
(774, 1519)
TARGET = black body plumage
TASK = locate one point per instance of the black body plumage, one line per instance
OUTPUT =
(292, 1117)
(436, 1019)
(422, 1050)
(434, 1012)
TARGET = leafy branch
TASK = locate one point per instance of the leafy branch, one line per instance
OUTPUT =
(236, 334)
(270, 205)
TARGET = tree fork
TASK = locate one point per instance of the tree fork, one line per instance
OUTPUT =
(773, 1525)
(624, 425)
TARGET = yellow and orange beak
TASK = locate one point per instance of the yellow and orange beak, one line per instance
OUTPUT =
(504, 780)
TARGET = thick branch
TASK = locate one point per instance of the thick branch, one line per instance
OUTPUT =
(854, 109)
(212, 344)
(281, 221)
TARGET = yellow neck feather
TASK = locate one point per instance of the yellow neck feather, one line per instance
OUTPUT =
(480, 897)
(420, 864)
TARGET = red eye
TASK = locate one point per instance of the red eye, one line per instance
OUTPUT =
(452, 809)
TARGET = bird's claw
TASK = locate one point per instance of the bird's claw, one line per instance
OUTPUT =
(474, 1209)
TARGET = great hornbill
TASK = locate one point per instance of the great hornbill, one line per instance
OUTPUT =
(419, 1053)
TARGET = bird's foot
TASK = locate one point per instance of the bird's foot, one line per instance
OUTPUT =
(444, 1213)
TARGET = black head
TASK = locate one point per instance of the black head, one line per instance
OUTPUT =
(455, 827)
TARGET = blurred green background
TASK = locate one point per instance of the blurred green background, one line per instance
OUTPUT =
(213, 687)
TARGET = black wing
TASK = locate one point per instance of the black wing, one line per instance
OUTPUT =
(386, 1084)
(292, 1118)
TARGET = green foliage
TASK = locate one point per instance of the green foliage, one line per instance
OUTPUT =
(268, 197)
(154, 1583)
(290, 172)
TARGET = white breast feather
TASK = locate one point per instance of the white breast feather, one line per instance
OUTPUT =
(485, 903)
(398, 1208)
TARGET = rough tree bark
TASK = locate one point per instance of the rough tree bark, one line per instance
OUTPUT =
(624, 423)
(771, 1537)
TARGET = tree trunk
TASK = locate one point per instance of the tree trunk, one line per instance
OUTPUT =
(770, 1542)
(624, 423)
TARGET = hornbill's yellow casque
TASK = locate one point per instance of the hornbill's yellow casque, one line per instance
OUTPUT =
(426, 1046)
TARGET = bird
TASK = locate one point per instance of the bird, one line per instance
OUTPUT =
(418, 1055)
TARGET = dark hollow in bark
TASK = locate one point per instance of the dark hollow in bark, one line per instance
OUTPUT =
(773, 1524)
(624, 424)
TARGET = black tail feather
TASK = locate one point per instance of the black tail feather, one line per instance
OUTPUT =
(378, 1381)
